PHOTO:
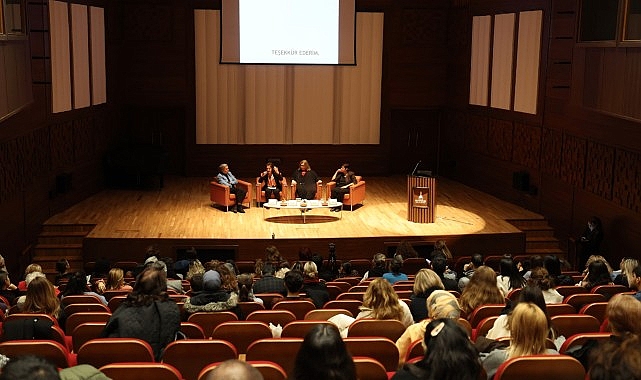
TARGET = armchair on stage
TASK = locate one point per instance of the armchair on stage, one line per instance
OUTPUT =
(260, 194)
(220, 194)
(319, 191)
(356, 193)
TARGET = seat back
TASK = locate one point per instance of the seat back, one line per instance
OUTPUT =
(596, 309)
(81, 298)
(388, 328)
(247, 308)
(484, 326)
(114, 302)
(85, 332)
(578, 340)
(275, 317)
(485, 311)
(578, 300)
(381, 349)
(465, 324)
(415, 350)
(357, 296)
(412, 265)
(333, 291)
(298, 307)
(354, 280)
(53, 351)
(109, 294)
(102, 351)
(86, 308)
(136, 371)
(209, 320)
(269, 299)
(76, 319)
(190, 356)
(609, 290)
(370, 369)
(559, 308)
(570, 324)
(299, 329)
(549, 367)
(242, 333)
(325, 314)
(351, 305)
(513, 295)
(342, 285)
(192, 330)
(568, 290)
(358, 289)
(281, 351)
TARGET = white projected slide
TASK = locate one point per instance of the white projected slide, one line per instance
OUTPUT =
(289, 31)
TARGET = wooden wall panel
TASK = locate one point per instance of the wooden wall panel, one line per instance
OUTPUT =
(476, 134)
(499, 141)
(626, 191)
(552, 144)
(599, 169)
(61, 145)
(9, 170)
(527, 145)
(573, 160)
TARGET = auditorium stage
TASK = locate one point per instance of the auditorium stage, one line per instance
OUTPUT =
(180, 215)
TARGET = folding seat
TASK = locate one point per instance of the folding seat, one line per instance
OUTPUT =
(483, 312)
(568, 290)
(269, 370)
(580, 339)
(281, 351)
(115, 301)
(209, 320)
(460, 263)
(333, 291)
(344, 286)
(465, 324)
(325, 314)
(578, 300)
(76, 319)
(269, 299)
(609, 290)
(415, 350)
(242, 333)
(483, 327)
(404, 294)
(388, 328)
(298, 329)
(559, 308)
(353, 280)
(399, 287)
(247, 308)
(570, 324)
(137, 371)
(596, 309)
(85, 308)
(192, 330)
(358, 289)
(358, 296)
(370, 369)
(81, 298)
(549, 367)
(103, 351)
(381, 349)
(50, 350)
(351, 305)
(513, 295)
(298, 307)
(85, 332)
(275, 317)
(190, 356)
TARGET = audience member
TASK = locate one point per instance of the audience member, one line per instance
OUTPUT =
(323, 355)
(268, 283)
(617, 360)
(63, 272)
(395, 273)
(225, 178)
(425, 282)
(590, 240)
(406, 250)
(439, 265)
(344, 179)
(627, 267)
(29, 367)
(441, 250)
(271, 181)
(213, 297)
(449, 355)
(468, 270)
(315, 289)
(195, 267)
(245, 291)
(294, 285)
(148, 313)
(234, 369)
(635, 281)
(509, 278)
(378, 267)
(482, 289)
(346, 270)
(536, 261)
(530, 294)
(553, 266)
(77, 285)
(8, 290)
(116, 280)
(325, 272)
(539, 277)
(598, 274)
(31, 268)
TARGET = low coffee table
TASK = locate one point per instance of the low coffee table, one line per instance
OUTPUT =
(303, 209)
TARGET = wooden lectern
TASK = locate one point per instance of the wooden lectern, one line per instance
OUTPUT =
(421, 199)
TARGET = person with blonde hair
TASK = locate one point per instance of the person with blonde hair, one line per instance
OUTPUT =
(440, 304)
(305, 179)
(116, 280)
(482, 289)
(195, 267)
(425, 282)
(41, 299)
(379, 302)
(31, 268)
(528, 332)
(312, 285)
(623, 314)
(624, 275)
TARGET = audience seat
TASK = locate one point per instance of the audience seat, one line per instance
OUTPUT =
(325, 314)
(513, 295)
(351, 305)
(137, 371)
(242, 333)
(281, 351)
(109, 294)
(209, 320)
(85, 332)
(548, 367)
(388, 328)
(114, 302)
(190, 356)
(76, 319)
(358, 289)
(465, 324)
(578, 300)
(381, 349)
(484, 326)
(221, 194)
(415, 350)
(484, 311)
(68, 300)
(298, 329)
(102, 351)
(356, 296)
(596, 309)
(275, 317)
(86, 308)
(269, 299)
(559, 308)
(247, 308)
(55, 352)
(412, 265)
(577, 340)
(568, 290)
(342, 285)
(609, 290)
(570, 324)
(353, 280)
(369, 369)
(192, 330)
(298, 307)
(356, 193)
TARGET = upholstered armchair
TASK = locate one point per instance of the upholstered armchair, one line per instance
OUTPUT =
(356, 193)
(220, 194)
(319, 191)
(260, 194)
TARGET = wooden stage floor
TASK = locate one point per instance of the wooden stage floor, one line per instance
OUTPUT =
(181, 214)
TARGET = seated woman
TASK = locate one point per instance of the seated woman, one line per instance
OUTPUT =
(245, 292)
(116, 280)
(323, 355)
(482, 289)
(598, 274)
(509, 278)
(148, 313)
(41, 299)
(379, 302)
(528, 331)
(539, 277)
(425, 282)
(378, 267)
(78, 285)
(395, 273)
(271, 181)
(449, 354)
(315, 289)
(305, 180)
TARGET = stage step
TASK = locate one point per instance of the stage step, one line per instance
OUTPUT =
(539, 237)
(61, 241)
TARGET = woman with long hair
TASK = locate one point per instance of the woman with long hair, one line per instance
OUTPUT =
(41, 299)
(245, 292)
(312, 285)
(116, 280)
(540, 277)
(323, 355)
(449, 354)
(482, 289)
(509, 277)
(425, 282)
(528, 332)
(78, 285)
(598, 274)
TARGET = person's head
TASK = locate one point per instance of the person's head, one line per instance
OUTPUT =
(594, 258)
(482, 289)
(426, 279)
(151, 285)
(397, 264)
(508, 268)
(598, 273)
(29, 367)
(533, 295)
(115, 279)
(152, 251)
(345, 167)
(442, 304)
(196, 282)
(536, 261)
(439, 265)
(378, 260)
(346, 269)
(245, 283)
(628, 265)
(381, 299)
(62, 265)
(195, 267)
(541, 278)
(28, 278)
(617, 360)
(234, 369)
(4, 279)
(269, 167)
(477, 260)
(528, 330)
(304, 165)
(310, 270)
(634, 280)
(323, 355)
(228, 280)
(441, 246)
(41, 298)
(32, 268)
(272, 254)
(293, 281)
(624, 313)
(449, 353)
(553, 265)
(594, 223)
(211, 281)
(223, 168)
(77, 284)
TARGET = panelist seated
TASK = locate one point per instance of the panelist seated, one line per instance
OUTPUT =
(344, 179)
(271, 182)
(305, 181)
